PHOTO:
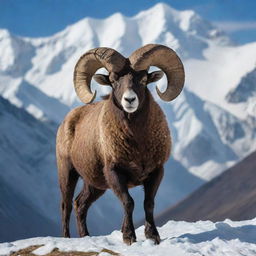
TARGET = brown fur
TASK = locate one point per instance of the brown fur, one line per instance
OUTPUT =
(109, 148)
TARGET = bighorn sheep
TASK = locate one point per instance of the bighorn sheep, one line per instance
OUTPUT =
(122, 141)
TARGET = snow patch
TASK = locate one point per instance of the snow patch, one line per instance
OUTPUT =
(181, 238)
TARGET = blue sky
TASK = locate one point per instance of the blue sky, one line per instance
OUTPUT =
(44, 17)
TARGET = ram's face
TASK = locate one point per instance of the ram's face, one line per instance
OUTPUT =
(129, 89)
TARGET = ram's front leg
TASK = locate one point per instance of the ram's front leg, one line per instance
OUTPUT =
(117, 181)
(151, 185)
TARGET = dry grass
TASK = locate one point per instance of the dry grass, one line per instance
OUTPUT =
(55, 252)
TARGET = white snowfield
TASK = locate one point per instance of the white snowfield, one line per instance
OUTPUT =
(178, 239)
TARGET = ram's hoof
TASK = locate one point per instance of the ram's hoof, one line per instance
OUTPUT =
(155, 238)
(129, 239)
(152, 234)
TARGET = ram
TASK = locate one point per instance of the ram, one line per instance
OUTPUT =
(121, 141)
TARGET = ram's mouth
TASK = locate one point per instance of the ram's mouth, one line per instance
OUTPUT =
(130, 109)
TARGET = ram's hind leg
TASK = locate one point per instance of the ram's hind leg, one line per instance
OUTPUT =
(68, 178)
(82, 203)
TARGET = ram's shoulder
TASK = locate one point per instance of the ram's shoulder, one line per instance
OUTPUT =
(75, 117)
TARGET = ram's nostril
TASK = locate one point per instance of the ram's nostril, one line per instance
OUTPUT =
(130, 100)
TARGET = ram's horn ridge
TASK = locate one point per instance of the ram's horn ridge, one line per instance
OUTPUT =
(89, 63)
(166, 59)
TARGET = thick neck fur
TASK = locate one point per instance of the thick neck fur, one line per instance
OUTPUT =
(140, 139)
(131, 122)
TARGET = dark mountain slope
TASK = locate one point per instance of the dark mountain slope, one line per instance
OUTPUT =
(19, 219)
(231, 195)
(21, 179)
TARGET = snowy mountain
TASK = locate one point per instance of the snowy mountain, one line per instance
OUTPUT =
(48, 63)
(220, 71)
(244, 90)
(209, 132)
(202, 238)
(245, 93)
(207, 138)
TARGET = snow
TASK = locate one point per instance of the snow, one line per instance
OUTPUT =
(221, 69)
(178, 238)
(251, 107)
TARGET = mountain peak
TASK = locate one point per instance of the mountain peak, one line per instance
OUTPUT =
(164, 8)
(4, 33)
(160, 11)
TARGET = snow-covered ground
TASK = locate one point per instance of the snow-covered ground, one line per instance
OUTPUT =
(227, 238)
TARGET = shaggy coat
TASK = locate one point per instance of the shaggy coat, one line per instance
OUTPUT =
(96, 135)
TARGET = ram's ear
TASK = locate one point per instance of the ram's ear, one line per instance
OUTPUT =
(102, 79)
(155, 76)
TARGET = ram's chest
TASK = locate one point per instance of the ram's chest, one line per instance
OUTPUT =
(139, 149)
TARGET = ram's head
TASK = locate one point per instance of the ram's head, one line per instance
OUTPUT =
(129, 77)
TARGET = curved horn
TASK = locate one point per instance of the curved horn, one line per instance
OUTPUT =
(166, 59)
(89, 63)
